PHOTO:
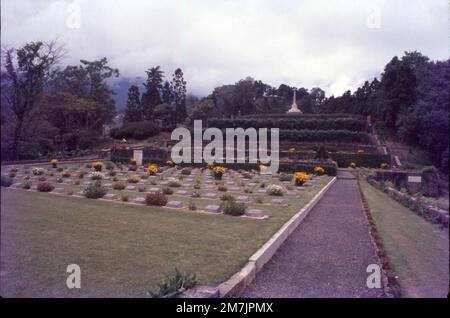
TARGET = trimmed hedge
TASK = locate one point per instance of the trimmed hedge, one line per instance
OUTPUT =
(135, 130)
(362, 160)
(290, 123)
(300, 116)
(328, 135)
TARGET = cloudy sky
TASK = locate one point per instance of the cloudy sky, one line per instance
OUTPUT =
(335, 45)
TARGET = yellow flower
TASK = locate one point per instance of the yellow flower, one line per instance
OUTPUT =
(301, 177)
(353, 165)
(219, 170)
(319, 170)
(384, 165)
(54, 161)
(169, 163)
(97, 165)
(262, 168)
(210, 165)
(152, 169)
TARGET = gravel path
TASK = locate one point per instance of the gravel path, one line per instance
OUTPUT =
(327, 255)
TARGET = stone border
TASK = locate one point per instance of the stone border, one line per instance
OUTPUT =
(237, 283)
(391, 285)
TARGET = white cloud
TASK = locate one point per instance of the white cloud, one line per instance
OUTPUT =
(308, 43)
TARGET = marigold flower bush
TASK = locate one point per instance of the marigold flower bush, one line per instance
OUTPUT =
(156, 198)
(353, 165)
(210, 165)
(152, 169)
(97, 166)
(318, 170)
(301, 178)
(134, 179)
(218, 172)
(170, 163)
(274, 189)
(384, 165)
(54, 163)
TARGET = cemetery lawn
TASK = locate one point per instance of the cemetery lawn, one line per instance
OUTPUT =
(418, 250)
(123, 250)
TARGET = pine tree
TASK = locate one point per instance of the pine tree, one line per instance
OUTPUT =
(167, 95)
(152, 96)
(178, 88)
(133, 110)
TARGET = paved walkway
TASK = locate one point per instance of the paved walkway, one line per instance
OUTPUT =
(327, 255)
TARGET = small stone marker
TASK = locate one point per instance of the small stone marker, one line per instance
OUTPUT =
(234, 189)
(87, 182)
(174, 204)
(242, 198)
(16, 186)
(414, 179)
(291, 193)
(262, 191)
(130, 188)
(210, 195)
(213, 208)
(155, 189)
(140, 200)
(181, 192)
(279, 202)
(256, 213)
(110, 196)
(108, 185)
(58, 190)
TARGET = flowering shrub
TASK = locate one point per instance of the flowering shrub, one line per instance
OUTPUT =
(301, 178)
(98, 165)
(170, 163)
(156, 198)
(319, 170)
(384, 165)
(273, 189)
(45, 187)
(38, 171)
(134, 179)
(174, 183)
(54, 163)
(210, 165)
(353, 165)
(119, 186)
(94, 191)
(96, 175)
(231, 207)
(152, 169)
(218, 172)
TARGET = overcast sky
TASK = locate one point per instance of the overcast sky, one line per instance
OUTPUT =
(335, 45)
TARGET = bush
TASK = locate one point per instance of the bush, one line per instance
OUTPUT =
(174, 183)
(141, 189)
(167, 190)
(94, 191)
(186, 171)
(192, 206)
(109, 165)
(60, 169)
(6, 181)
(222, 188)
(135, 130)
(174, 285)
(156, 198)
(66, 175)
(361, 160)
(322, 153)
(26, 185)
(134, 179)
(125, 198)
(119, 186)
(226, 197)
(45, 187)
(195, 194)
(234, 208)
(276, 190)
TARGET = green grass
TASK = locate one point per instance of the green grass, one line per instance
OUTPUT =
(123, 250)
(418, 250)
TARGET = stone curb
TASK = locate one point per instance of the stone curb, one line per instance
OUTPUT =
(234, 286)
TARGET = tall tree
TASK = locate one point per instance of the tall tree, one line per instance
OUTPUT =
(167, 95)
(133, 109)
(178, 88)
(27, 71)
(152, 95)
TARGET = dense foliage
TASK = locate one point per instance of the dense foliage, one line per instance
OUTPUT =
(135, 130)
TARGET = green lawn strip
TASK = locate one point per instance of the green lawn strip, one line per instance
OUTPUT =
(418, 250)
(123, 249)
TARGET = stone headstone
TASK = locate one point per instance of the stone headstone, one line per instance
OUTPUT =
(242, 198)
(130, 188)
(58, 190)
(256, 213)
(181, 192)
(174, 204)
(110, 196)
(213, 208)
(279, 202)
(139, 200)
(154, 189)
(210, 195)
